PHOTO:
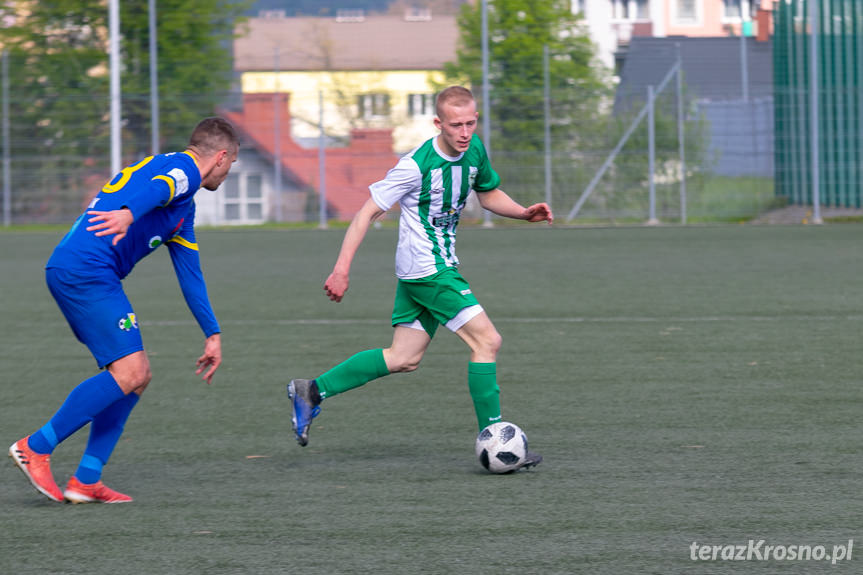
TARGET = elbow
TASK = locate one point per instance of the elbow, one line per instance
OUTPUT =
(368, 213)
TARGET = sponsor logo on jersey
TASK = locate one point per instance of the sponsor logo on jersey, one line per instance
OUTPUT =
(465, 292)
(129, 322)
(155, 242)
(446, 220)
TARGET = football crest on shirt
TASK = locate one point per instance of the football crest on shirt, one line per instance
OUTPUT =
(129, 322)
(155, 242)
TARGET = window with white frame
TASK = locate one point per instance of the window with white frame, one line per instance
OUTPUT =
(420, 105)
(731, 9)
(243, 198)
(350, 15)
(374, 105)
(630, 9)
(687, 11)
(254, 197)
(418, 14)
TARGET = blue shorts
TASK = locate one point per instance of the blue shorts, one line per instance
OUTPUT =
(98, 312)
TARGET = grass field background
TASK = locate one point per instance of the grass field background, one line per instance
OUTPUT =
(683, 384)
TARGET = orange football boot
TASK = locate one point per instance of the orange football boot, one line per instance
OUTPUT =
(77, 492)
(37, 468)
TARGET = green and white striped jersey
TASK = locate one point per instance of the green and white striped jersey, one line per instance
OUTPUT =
(432, 189)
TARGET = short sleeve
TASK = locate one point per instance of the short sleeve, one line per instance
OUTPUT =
(486, 178)
(399, 181)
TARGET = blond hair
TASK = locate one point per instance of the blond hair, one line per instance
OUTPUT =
(454, 96)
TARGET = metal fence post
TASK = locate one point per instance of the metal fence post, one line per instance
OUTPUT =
(115, 88)
(7, 161)
(681, 135)
(154, 80)
(277, 135)
(813, 111)
(486, 106)
(547, 106)
(322, 165)
(651, 154)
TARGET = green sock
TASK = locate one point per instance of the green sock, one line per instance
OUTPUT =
(355, 371)
(482, 382)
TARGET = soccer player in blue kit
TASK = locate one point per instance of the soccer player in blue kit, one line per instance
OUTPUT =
(144, 206)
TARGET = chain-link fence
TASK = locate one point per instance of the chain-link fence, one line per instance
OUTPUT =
(626, 153)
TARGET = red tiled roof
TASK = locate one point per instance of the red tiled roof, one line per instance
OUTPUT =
(349, 170)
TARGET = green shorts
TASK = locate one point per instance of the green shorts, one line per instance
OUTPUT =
(441, 298)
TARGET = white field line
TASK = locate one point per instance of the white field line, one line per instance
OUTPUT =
(546, 320)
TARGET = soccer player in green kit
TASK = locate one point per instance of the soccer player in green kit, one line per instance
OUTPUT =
(431, 184)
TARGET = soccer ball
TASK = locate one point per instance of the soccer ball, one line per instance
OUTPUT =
(501, 447)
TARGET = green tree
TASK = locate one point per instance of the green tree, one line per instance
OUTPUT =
(59, 88)
(54, 56)
(583, 127)
(194, 39)
(579, 85)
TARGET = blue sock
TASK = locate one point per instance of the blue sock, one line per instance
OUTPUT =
(105, 432)
(85, 401)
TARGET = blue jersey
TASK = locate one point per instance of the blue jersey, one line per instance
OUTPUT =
(159, 191)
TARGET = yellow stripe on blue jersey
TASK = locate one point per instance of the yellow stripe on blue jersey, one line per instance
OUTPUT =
(184, 242)
(125, 174)
(194, 159)
(171, 185)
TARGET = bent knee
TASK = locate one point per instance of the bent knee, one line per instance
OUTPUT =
(133, 378)
(495, 342)
(403, 364)
(405, 367)
(490, 344)
(143, 377)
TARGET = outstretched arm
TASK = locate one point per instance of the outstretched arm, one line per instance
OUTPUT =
(338, 281)
(187, 266)
(498, 202)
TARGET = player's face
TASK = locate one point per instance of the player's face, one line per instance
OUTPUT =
(220, 171)
(457, 125)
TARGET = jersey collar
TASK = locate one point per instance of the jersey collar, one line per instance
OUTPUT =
(194, 159)
(442, 155)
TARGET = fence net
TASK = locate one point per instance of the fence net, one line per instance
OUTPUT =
(735, 163)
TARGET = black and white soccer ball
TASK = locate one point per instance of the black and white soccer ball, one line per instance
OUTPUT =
(501, 447)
